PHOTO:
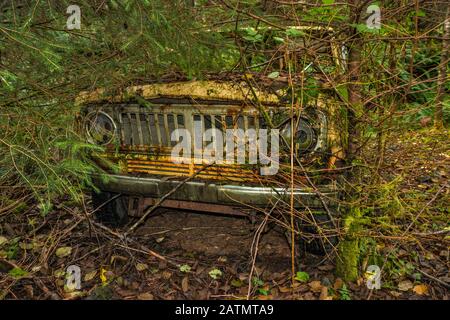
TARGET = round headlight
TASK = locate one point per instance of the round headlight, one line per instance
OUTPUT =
(100, 128)
(305, 138)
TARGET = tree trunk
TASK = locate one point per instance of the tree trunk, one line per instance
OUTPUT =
(354, 87)
(347, 266)
(438, 114)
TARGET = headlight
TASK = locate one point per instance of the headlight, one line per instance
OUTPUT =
(305, 138)
(100, 128)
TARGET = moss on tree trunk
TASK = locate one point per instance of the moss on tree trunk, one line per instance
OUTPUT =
(348, 261)
(349, 249)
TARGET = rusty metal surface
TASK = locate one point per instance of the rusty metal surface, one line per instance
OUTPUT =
(197, 90)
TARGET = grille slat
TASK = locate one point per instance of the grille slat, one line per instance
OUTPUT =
(139, 129)
(158, 131)
(149, 129)
(166, 131)
(147, 125)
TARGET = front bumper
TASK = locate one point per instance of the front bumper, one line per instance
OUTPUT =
(214, 193)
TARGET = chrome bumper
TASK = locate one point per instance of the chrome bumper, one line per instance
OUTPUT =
(209, 192)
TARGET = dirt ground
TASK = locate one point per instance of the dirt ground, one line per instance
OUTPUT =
(214, 235)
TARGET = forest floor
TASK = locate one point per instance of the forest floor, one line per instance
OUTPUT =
(187, 255)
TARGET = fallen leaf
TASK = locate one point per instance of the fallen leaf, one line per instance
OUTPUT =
(315, 286)
(185, 284)
(166, 274)
(264, 297)
(395, 293)
(302, 288)
(90, 275)
(125, 293)
(141, 267)
(420, 289)
(3, 240)
(285, 289)
(73, 294)
(324, 294)
(145, 296)
(63, 252)
(405, 285)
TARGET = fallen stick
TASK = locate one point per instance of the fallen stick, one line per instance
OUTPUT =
(445, 284)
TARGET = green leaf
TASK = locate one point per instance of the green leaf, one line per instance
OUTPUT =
(257, 282)
(63, 252)
(278, 39)
(236, 283)
(17, 273)
(185, 268)
(215, 273)
(292, 32)
(327, 1)
(421, 13)
(273, 75)
(302, 276)
(263, 292)
(345, 293)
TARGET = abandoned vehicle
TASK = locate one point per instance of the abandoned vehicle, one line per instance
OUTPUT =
(140, 126)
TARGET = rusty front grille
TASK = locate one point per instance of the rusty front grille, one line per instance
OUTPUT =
(145, 138)
(154, 129)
